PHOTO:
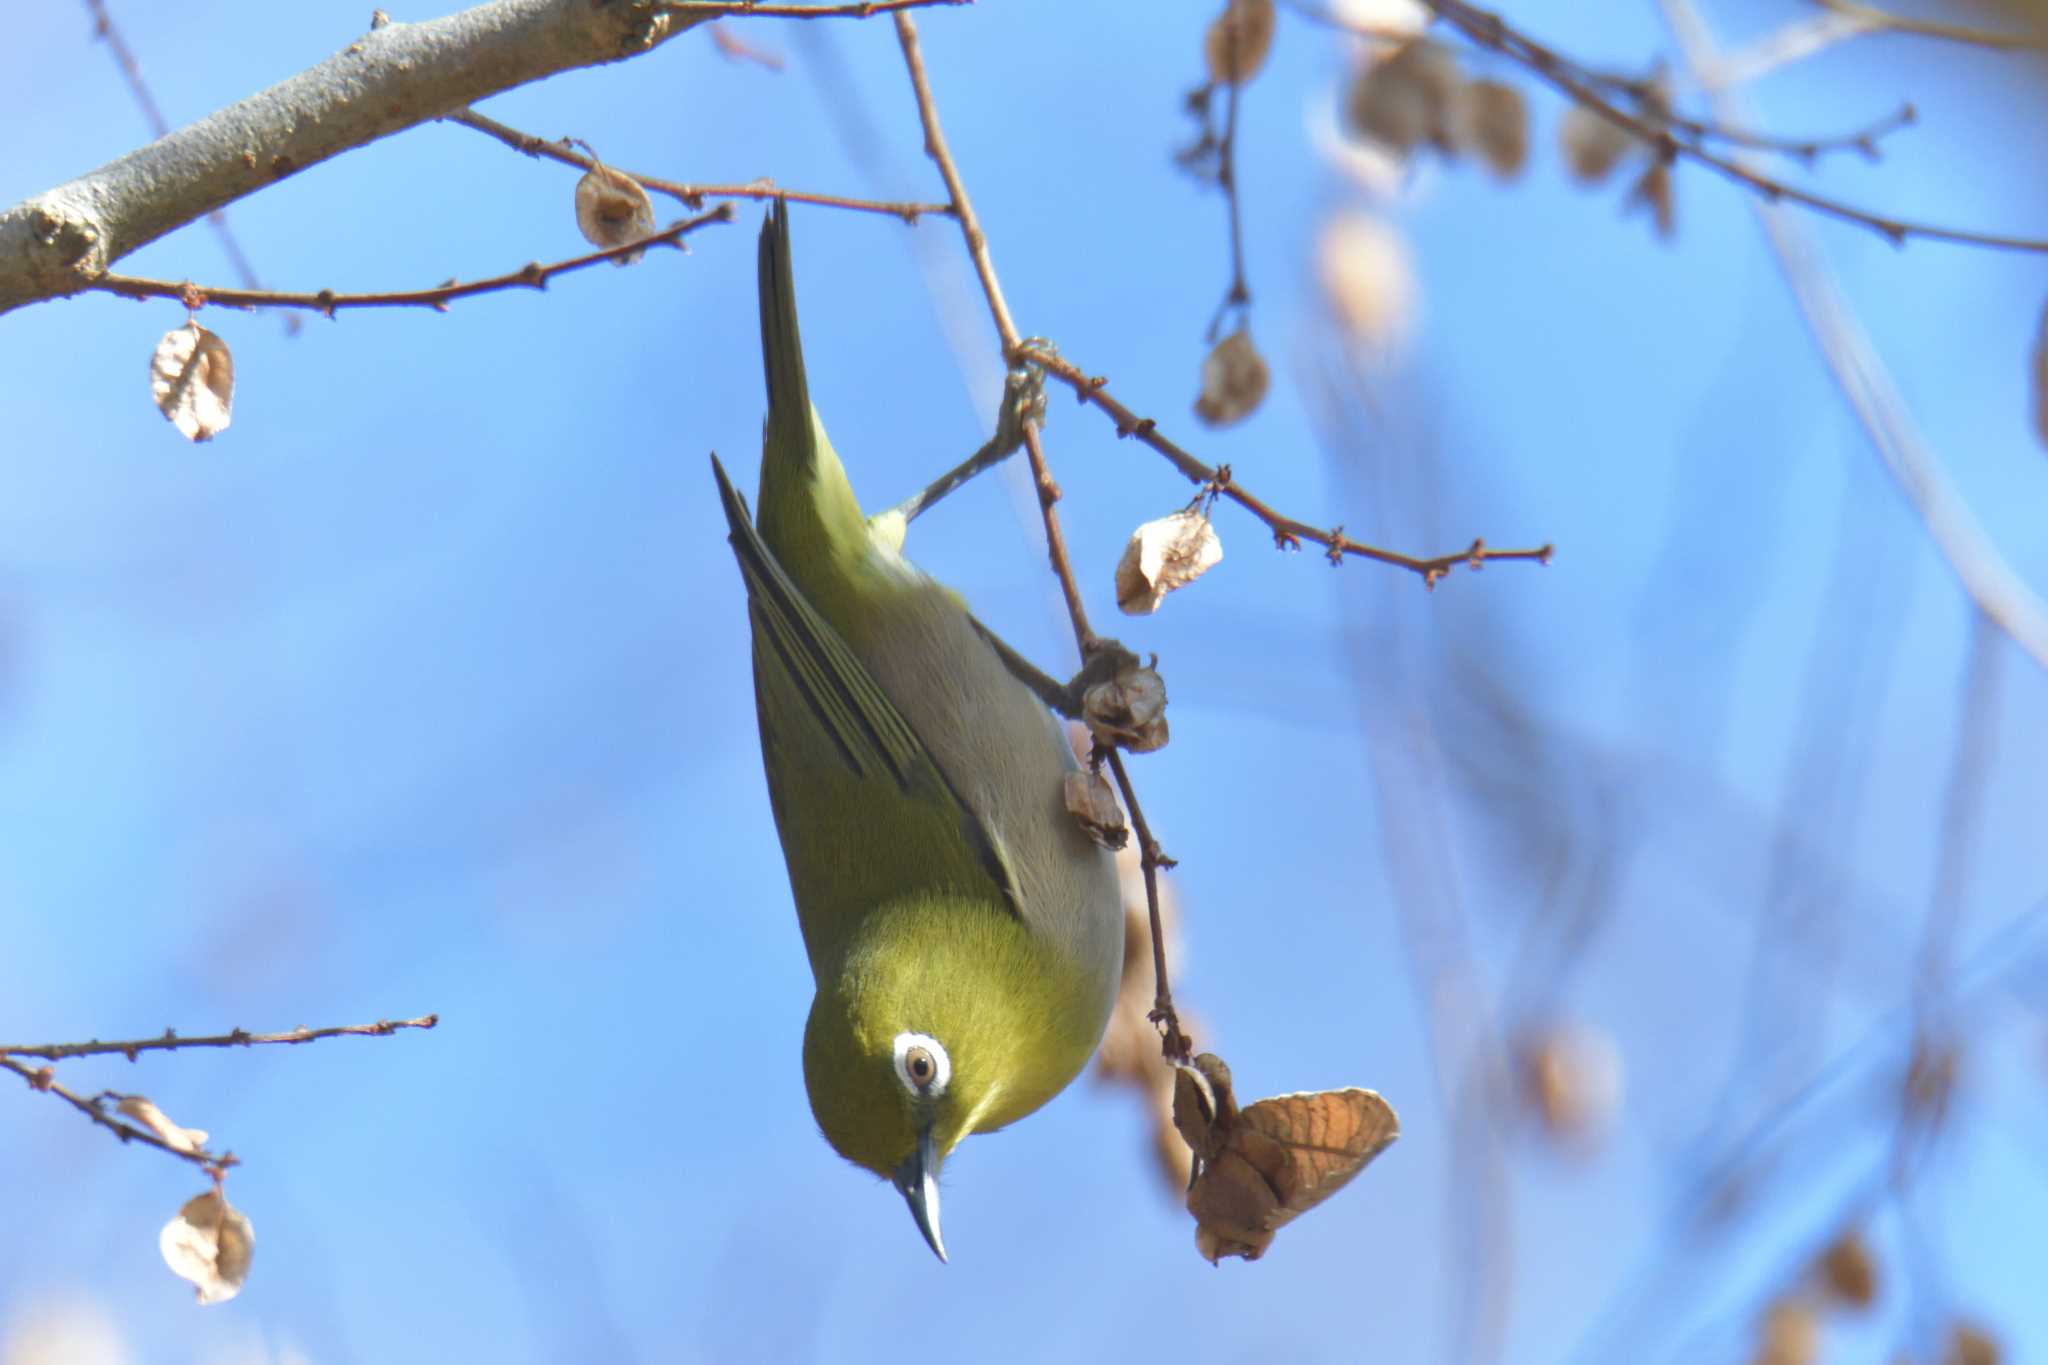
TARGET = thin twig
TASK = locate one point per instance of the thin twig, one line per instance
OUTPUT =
(44, 1079)
(1997, 589)
(170, 1041)
(1239, 295)
(1649, 100)
(1173, 1042)
(533, 275)
(1495, 34)
(1287, 532)
(745, 8)
(691, 196)
(107, 31)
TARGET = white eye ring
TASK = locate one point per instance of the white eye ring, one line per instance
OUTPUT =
(942, 1065)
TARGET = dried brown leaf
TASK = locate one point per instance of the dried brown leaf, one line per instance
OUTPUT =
(1572, 1079)
(1163, 555)
(1091, 802)
(1128, 710)
(144, 1112)
(1259, 1168)
(211, 1244)
(1848, 1271)
(612, 210)
(1790, 1335)
(1495, 124)
(1237, 42)
(192, 380)
(1234, 380)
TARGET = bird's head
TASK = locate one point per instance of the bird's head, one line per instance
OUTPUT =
(954, 1025)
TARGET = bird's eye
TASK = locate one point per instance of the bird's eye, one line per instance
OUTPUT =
(922, 1064)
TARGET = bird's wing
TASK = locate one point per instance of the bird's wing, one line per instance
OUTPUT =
(879, 747)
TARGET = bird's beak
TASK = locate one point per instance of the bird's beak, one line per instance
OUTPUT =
(918, 1178)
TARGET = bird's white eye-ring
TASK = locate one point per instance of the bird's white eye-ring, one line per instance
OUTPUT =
(922, 1064)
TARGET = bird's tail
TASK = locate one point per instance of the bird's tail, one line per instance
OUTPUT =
(806, 505)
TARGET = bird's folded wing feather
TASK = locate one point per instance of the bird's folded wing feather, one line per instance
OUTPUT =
(865, 728)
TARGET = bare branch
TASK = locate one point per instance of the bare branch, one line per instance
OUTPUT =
(44, 1079)
(692, 196)
(392, 78)
(57, 1052)
(1174, 1043)
(1665, 138)
(533, 275)
(736, 9)
(1287, 532)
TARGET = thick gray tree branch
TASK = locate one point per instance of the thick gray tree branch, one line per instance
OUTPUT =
(390, 79)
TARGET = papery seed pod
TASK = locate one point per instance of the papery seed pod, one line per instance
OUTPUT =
(1364, 268)
(1495, 123)
(612, 209)
(1093, 805)
(192, 381)
(1129, 710)
(211, 1244)
(1234, 381)
(1163, 555)
(1572, 1080)
(1238, 40)
(1407, 98)
(1593, 144)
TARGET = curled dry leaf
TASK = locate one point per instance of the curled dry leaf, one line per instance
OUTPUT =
(1091, 802)
(1259, 1168)
(1593, 144)
(1162, 555)
(1364, 268)
(149, 1116)
(192, 380)
(1789, 1335)
(211, 1244)
(612, 210)
(1128, 710)
(1495, 123)
(1847, 1271)
(1407, 98)
(1234, 380)
(2040, 368)
(1237, 42)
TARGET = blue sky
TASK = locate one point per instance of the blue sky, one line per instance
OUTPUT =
(425, 687)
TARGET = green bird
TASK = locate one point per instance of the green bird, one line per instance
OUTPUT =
(965, 935)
